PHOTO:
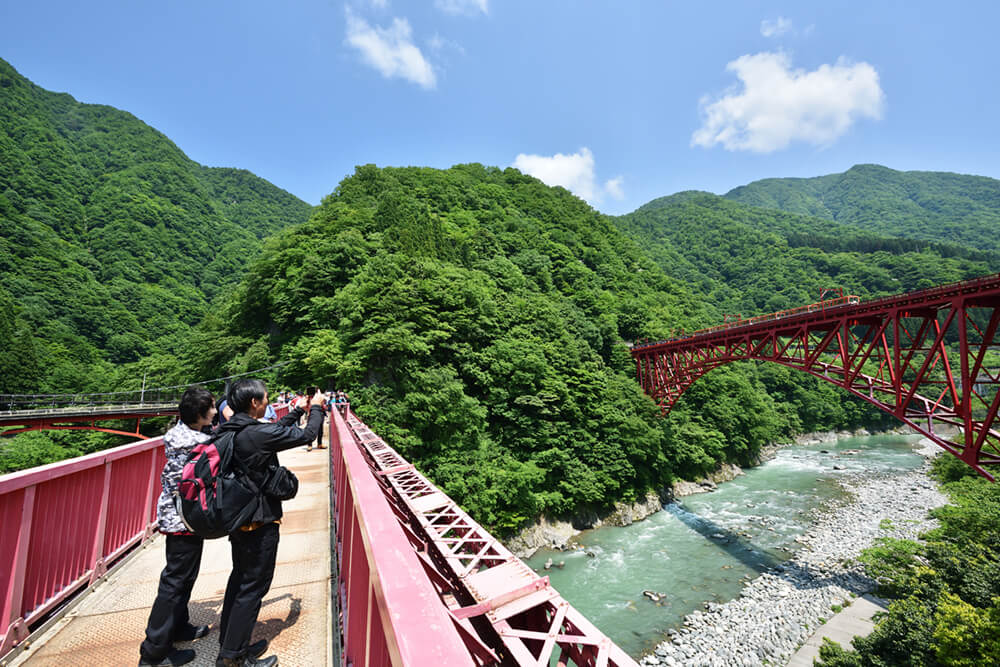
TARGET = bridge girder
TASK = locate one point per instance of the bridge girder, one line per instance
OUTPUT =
(930, 358)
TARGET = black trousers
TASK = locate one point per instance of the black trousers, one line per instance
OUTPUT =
(254, 554)
(170, 609)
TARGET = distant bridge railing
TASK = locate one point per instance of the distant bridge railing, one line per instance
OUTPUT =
(59, 403)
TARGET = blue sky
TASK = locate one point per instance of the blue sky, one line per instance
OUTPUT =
(621, 102)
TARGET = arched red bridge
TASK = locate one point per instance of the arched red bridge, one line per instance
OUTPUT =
(930, 358)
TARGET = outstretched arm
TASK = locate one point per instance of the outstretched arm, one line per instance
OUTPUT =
(282, 437)
(292, 418)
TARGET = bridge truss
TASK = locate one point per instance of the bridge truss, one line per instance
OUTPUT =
(930, 358)
(502, 611)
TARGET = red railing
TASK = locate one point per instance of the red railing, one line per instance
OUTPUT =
(733, 322)
(392, 614)
(60, 527)
(501, 610)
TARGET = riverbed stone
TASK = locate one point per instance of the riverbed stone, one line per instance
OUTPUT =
(779, 609)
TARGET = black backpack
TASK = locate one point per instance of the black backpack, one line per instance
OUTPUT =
(216, 495)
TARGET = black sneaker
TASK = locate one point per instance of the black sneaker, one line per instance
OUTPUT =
(247, 661)
(177, 656)
(190, 633)
(257, 649)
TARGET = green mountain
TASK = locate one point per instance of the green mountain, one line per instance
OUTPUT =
(112, 241)
(480, 320)
(751, 260)
(934, 206)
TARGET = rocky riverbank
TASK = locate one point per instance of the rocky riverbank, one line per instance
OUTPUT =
(778, 610)
(559, 533)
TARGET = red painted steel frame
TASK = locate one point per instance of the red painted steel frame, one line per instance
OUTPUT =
(67, 420)
(59, 528)
(505, 613)
(392, 614)
(930, 358)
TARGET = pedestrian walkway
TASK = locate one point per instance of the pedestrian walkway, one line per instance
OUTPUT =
(108, 626)
(852, 621)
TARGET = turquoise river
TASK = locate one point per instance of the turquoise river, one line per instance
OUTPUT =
(703, 547)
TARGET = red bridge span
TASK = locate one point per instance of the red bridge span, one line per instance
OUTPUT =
(930, 358)
(413, 580)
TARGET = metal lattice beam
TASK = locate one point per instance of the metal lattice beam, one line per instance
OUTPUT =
(930, 358)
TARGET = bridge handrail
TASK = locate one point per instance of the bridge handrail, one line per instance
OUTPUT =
(61, 526)
(504, 610)
(918, 295)
(382, 585)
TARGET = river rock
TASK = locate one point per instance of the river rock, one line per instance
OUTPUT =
(779, 609)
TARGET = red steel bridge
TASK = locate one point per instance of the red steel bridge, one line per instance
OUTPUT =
(416, 580)
(83, 418)
(930, 358)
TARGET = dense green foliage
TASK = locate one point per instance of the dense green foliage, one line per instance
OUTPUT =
(945, 589)
(112, 242)
(935, 206)
(751, 260)
(481, 320)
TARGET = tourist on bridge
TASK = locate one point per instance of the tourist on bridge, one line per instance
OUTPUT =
(168, 619)
(255, 545)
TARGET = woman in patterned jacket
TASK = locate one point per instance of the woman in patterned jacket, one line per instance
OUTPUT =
(168, 619)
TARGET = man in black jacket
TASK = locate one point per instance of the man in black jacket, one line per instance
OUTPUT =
(255, 545)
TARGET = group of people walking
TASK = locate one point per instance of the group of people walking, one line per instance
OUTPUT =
(257, 441)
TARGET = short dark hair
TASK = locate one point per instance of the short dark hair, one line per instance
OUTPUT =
(245, 390)
(195, 404)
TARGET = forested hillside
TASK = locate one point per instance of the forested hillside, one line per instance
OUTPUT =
(935, 206)
(112, 241)
(751, 260)
(480, 319)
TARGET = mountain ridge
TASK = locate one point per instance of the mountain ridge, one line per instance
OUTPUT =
(928, 205)
(112, 241)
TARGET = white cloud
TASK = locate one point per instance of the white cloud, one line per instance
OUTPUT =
(463, 7)
(778, 105)
(439, 43)
(380, 4)
(614, 187)
(775, 28)
(574, 172)
(390, 50)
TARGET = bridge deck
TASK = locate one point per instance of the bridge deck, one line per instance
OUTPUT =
(108, 626)
(89, 411)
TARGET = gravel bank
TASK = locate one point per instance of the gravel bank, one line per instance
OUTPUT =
(778, 610)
